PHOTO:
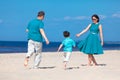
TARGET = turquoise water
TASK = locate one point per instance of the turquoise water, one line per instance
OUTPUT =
(21, 46)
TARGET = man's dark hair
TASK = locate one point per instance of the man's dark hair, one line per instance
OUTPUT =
(41, 13)
(66, 34)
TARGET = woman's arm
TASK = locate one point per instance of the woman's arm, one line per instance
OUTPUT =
(101, 35)
(27, 30)
(85, 30)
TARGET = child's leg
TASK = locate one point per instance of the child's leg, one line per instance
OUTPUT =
(30, 52)
(68, 54)
(65, 55)
(38, 55)
(65, 64)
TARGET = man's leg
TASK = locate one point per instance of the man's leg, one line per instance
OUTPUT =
(30, 52)
(38, 55)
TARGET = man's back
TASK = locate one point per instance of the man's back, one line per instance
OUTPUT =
(34, 27)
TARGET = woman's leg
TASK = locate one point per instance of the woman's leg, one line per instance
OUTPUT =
(94, 61)
(89, 59)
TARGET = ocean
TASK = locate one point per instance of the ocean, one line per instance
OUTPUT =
(21, 46)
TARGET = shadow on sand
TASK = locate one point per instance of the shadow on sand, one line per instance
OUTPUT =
(70, 68)
(93, 65)
(51, 67)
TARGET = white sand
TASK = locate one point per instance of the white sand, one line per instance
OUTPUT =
(51, 67)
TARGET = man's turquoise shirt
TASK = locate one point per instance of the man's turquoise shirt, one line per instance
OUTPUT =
(34, 27)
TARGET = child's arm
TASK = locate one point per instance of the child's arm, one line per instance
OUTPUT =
(44, 36)
(60, 47)
(85, 30)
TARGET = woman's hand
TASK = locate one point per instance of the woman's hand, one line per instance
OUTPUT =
(102, 43)
(77, 35)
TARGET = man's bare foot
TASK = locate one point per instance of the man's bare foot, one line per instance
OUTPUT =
(26, 62)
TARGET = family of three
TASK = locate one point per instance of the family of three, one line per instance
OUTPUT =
(92, 45)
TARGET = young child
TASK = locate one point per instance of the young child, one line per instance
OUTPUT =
(68, 44)
(35, 38)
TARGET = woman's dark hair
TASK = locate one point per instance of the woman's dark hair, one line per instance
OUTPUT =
(41, 13)
(66, 34)
(96, 16)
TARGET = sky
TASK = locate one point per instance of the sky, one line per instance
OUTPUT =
(61, 15)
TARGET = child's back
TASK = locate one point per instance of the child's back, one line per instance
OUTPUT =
(68, 44)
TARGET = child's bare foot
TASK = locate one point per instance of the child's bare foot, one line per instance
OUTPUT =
(64, 67)
(26, 62)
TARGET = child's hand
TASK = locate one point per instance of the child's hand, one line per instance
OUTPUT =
(57, 50)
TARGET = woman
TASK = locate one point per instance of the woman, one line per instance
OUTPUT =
(91, 45)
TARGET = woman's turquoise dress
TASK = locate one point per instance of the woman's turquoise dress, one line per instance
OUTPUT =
(91, 45)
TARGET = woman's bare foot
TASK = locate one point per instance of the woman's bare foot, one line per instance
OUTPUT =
(26, 62)
(95, 64)
(89, 64)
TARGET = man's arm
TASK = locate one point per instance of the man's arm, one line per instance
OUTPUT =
(44, 36)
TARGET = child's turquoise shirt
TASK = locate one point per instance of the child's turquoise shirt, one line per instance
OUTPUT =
(68, 44)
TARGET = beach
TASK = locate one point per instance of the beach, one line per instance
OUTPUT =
(51, 67)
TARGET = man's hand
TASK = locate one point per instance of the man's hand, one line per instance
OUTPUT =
(47, 42)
